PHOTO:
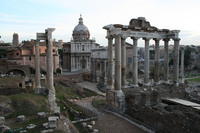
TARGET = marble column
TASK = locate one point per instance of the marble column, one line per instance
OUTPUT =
(146, 61)
(37, 68)
(50, 82)
(105, 72)
(176, 60)
(118, 63)
(135, 62)
(110, 82)
(166, 59)
(182, 64)
(123, 61)
(157, 61)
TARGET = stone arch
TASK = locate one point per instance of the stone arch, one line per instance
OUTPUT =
(16, 72)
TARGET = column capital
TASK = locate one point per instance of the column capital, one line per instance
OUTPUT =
(146, 38)
(135, 38)
(176, 39)
(156, 39)
(166, 39)
(109, 37)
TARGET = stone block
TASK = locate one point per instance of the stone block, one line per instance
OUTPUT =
(89, 127)
(45, 125)
(31, 126)
(92, 122)
(52, 121)
(47, 131)
(20, 118)
(2, 120)
(84, 124)
(41, 114)
(95, 131)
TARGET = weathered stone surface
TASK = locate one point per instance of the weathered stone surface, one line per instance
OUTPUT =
(95, 130)
(2, 120)
(47, 131)
(21, 118)
(41, 114)
(93, 122)
(84, 124)
(52, 121)
(31, 126)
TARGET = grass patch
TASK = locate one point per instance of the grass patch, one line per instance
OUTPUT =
(196, 80)
(81, 129)
(28, 104)
(63, 92)
(99, 103)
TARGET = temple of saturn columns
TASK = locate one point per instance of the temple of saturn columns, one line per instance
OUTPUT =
(47, 36)
(137, 28)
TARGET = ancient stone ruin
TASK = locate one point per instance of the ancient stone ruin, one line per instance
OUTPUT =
(116, 77)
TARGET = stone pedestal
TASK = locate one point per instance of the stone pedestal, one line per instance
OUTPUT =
(116, 100)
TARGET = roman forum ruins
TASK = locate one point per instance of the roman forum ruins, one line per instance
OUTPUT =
(47, 36)
(137, 28)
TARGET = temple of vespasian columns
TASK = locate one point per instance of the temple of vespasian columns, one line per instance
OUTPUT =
(137, 28)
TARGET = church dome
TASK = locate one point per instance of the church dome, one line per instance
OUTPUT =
(81, 32)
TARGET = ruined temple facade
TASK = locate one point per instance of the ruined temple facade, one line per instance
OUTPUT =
(77, 52)
(137, 29)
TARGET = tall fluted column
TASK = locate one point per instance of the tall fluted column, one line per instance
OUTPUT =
(50, 79)
(146, 61)
(123, 61)
(182, 64)
(135, 62)
(176, 60)
(110, 63)
(117, 63)
(156, 61)
(37, 67)
(166, 59)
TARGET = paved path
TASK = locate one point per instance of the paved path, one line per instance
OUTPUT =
(91, 86)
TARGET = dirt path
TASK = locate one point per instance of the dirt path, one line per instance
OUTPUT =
(107, 122)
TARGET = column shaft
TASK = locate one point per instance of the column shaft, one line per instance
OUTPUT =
(123, 61)
(50, 81)
(37, 67)
(166, 60)
(118, 63)
(182, 64)
(110, 63)
(176, 60)
(146, 61)
(156, 61)
(135, 61)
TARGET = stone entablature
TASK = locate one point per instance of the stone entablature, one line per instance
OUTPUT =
(138, 28)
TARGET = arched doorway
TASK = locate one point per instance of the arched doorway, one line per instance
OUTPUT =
(17, 72)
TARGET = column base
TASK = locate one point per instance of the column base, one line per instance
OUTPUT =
(147, 84)
(133, 86)
(116, 100)
(54, 108)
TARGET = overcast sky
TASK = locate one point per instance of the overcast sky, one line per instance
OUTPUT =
(26, 17)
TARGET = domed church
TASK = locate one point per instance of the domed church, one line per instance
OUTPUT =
(77, 52)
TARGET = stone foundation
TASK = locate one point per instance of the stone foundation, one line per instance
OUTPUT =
(116, 100)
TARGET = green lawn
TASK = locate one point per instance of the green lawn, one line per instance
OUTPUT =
(196, 80)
